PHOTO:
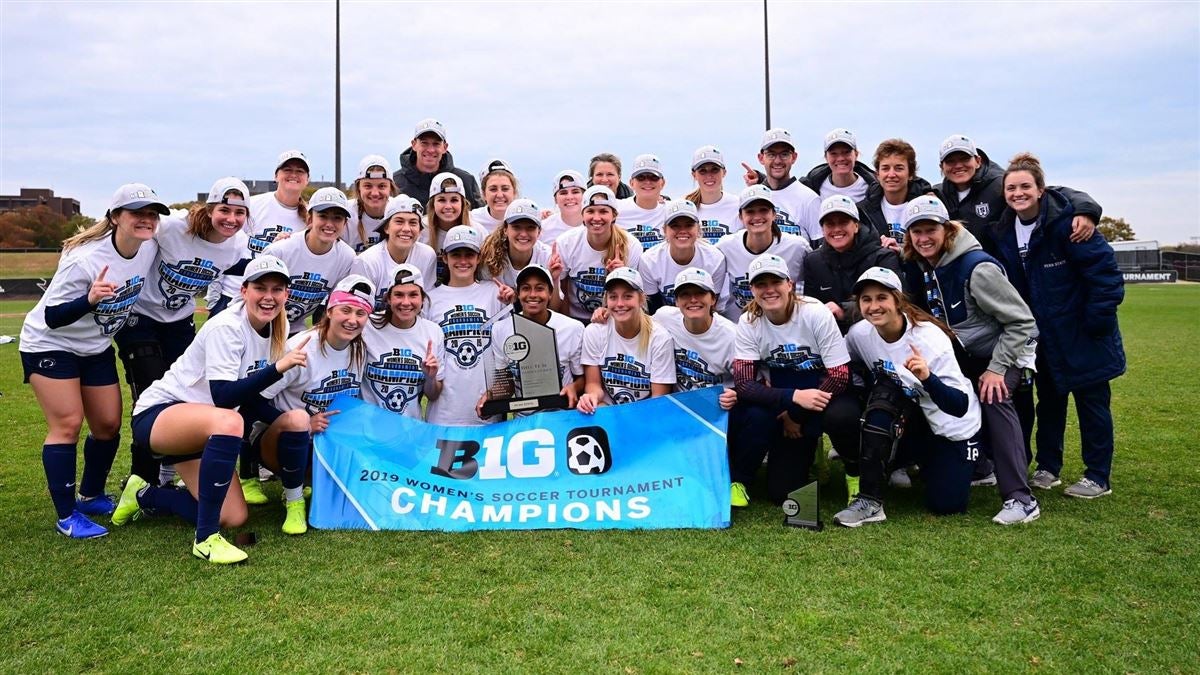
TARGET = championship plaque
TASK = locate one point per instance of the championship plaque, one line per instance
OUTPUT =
(801, 508)
(525, 378)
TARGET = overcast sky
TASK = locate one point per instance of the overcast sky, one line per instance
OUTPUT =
(177, 94)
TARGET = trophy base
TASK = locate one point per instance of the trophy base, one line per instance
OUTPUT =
(516, 405)
(802, 508)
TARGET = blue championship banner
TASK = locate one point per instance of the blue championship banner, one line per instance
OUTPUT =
(658, 463)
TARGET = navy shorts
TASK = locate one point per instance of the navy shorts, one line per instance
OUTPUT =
(143, 422)
(97, 370)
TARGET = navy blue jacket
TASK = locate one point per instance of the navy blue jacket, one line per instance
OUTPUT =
(870, 209)
(1073, 291)
(817, 176)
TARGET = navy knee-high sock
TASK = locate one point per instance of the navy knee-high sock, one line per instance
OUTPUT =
(216, 471)
(98, 456)
(170, 499)
(58, 459)
(293, 458)
(247, 461)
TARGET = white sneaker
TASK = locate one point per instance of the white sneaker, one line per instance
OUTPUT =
(1015, 512)
(1044, 480)
(264, 474)
(900, 479)
(987, 480)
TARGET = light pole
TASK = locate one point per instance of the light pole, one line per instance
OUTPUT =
(337, 94)
(767, 64)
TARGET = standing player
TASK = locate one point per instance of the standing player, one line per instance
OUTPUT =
(642, 214)
(883, 208)
(429, 156)
(500, 188)
(515, 244)
(717, 209)
(400, 229)
(372, 189)
(842, 173)
(404, 349)
(569, 187)
(585, 255)
(795, 204)
(762, 235)
(67, 355)
(683, 248)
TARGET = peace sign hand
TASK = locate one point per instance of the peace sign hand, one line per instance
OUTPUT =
(296, 357)
(101, 289)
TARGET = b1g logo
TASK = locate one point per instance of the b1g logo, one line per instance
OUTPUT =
(794, 357)
(337, 382)
(589, 287)
(713, 230)
(625, 378)
(184, 279)
(466, 338)
(527, 454)
(112, 312)
(255, 367)
(264, 239)
(396, 378)
(305, 293)
(647, 235)
(888, 369)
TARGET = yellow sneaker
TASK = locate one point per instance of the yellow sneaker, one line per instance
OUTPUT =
(218, 551)
(738, 497)
(296, 521)
(253, 492)
(851, 488)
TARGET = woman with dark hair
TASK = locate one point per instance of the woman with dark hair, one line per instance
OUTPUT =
(883, 209)
(404, 349)
(584, 256)
(401, 232)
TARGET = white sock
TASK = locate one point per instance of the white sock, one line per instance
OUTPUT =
(166, 474)
(293, 494)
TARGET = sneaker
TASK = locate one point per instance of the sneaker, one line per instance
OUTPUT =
(861, 511)
(296, 521)
(900, 479)
(1044, 480)
(987, 480)
(218, 551)
(851, 488)
(832, 454)
(128, 508)
(264, 474)
(77, 526)
(1087, 488)
(308, 492)
(253, 492)
(95, 506)
(1015, 512)
(738, 496)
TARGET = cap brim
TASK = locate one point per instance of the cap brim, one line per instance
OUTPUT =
(642, 172)
(608, 284)
(429, 132)
(707, 161)
(258, 275)
(764, 200)
(852, 147)
(294, 159)
(852, 216)
(694, 285)
(158, 206)
(329, 207)
(790, 145)
(769, 273)
(530, 271)
(517, 219)
(457, 245)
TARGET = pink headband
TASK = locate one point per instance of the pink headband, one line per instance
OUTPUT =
(346, 298)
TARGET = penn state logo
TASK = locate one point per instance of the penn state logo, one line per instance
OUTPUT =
(112, 312)
(794, 357)
(983, 209)
(340, 381)
(589, 287)
(305, 294)
(396, 378)
(625, 378)
(887, 369)
(691, 370)
(739, 290)
(466, 338)
(783, 220)
(183, 280)
(713, 230)
(647, 235)
(263, 239)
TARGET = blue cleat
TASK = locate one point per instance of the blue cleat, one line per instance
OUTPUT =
(77, 526)
(103, 505)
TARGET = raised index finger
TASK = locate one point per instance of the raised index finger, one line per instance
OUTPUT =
(103, 271)
(914, 349)
(749, 169)
(303, 342)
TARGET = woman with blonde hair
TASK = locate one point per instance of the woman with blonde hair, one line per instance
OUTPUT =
(372, 188)
(446, 208)
(584, 256)
(717, 209)
(498, 182)
(400, 229)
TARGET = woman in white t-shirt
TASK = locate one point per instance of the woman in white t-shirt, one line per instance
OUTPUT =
(404, 349)
(464, 309)
(790, 362)
(446, 208)
(499, 187)
(920, 403)
(683, 248)
(194, 416)
(514, 244)
(372, 189)
(569, 187)
(585, 255)
(761, 235)
(400, 230)
(704, 340)
(67, 355)
(625, 359)
(717, 209)
(642, 214)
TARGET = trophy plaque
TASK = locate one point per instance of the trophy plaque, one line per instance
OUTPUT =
(801, 508)
(525, 377)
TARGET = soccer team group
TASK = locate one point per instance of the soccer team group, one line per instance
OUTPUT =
(910, 323)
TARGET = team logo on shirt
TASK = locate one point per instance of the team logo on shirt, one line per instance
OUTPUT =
(739, 290)
(691, 370)
(340, 381)
(589, 287)
(263, 239)
(887, 369)
(983, 209)
(625, 379)
(305, 294)
(256, 366)
(897, 232)
(396, 378)
(647, 235)
(794, 357)
(183, 280)
(713, 230)
(465, 335)
(668, 294)
(113, 311)
(783, 220)
(372, 239)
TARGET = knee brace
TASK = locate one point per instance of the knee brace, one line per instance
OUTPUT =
(883, 423)
(144, 364)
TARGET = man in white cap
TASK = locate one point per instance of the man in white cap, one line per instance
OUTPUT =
(796, 205)
(429, 156)
(842, 173)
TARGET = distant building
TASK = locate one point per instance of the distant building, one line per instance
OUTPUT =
(258, 187)
(33, 197)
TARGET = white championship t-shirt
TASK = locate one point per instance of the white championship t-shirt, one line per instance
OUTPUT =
(659, 269)
(462, 313)
(481, 217)
(370, 224)
(720, 218)
(185, 267)
(327, 374)
(1024, 231)
(554, 227)
(268, 219)
(894, 215)
(394, 378)
(313, 275)
(625, 368)
(808, 341)
(584, 267)
(791, 248)
(646, 225)
(701, 360)
(508, 275)
(378, 265)
(796, 211)
(856, 191)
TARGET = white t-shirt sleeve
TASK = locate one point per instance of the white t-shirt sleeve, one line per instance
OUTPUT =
(662, 358)
(223, 354)
(594, 344)
(745, 344)
(829, 339)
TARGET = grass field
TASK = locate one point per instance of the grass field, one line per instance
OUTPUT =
(1108, 585)
(28, 265)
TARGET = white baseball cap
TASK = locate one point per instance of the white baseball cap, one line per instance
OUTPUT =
(926, 207)
(568, 178)
(841, 136)
(329, 198)
(646, 164)
(436, 188)
(408, 274)
(696, 277)
(264, 265)
(768, 263)
(600, 195)
(463, 236)
(357, 285)
(957, 143)
(681, 208)
(219, 194)
(838, 204)
(707, 154)
(365, 164)
(494, 165)
(288, 155)
(773, 136)
(430, 126)
(534, 268)
(878, 275)
(625, 274)
(400, 204)
(523, 209)
(755, 193)
(136, 196)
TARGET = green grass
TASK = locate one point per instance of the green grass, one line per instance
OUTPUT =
(28, 265)
(1107, 585)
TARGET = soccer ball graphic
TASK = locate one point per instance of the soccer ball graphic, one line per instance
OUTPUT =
(587, 451)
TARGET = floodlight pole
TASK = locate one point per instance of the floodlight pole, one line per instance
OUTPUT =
(766, 64)
(337, 94)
